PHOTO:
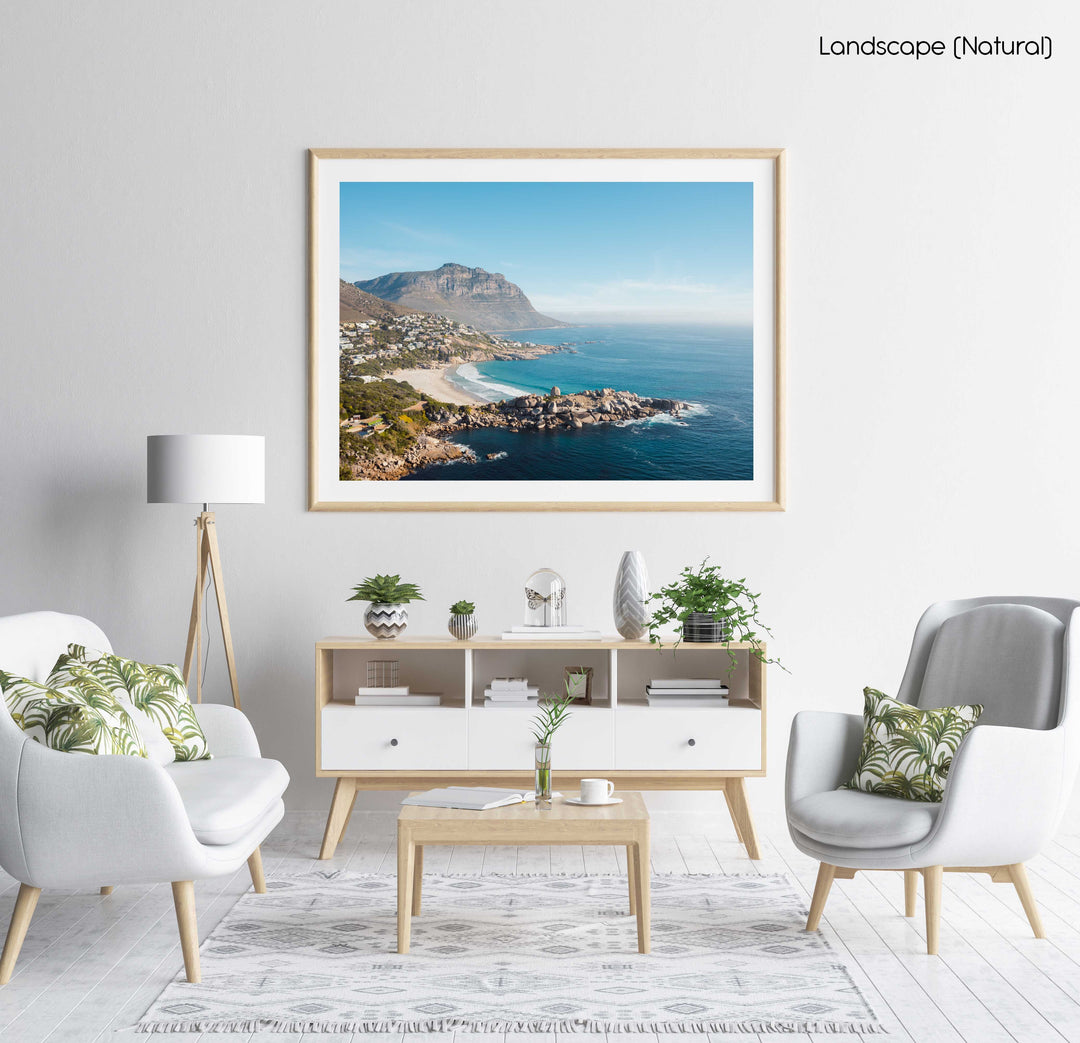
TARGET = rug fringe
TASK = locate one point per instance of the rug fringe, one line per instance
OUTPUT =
(532, 1025)
(329, 874)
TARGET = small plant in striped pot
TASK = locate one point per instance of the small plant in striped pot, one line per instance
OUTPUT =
(462, 623)
(387, 615)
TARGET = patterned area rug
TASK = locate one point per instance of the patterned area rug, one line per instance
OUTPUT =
(516, 953)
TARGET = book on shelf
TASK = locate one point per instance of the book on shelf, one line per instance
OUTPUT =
(686, 682)
(683, 702)
(566, 628)
(519, 696)
(550, 634)
(415, 699)
(468, 798)
(664, 693)
(508, 684)
(389, 689)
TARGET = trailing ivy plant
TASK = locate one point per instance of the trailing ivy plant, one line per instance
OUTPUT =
(704, 588)
(386, 590)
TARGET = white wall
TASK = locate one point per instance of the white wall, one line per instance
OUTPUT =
(152, 257)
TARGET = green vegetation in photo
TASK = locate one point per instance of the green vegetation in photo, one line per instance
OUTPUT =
(380, 396)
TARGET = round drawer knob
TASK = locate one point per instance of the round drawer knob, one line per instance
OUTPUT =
(393, 742)
(691, 742)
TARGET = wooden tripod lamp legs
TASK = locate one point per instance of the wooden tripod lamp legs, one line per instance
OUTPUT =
(208, 563)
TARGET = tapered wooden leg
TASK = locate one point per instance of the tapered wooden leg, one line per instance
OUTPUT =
(184, 899)
(911, 890)
(106, 891)
(825, 876)
(1023, 888)
(258, 880)
(348, 815)
(643, 894)
(735, 822)
(406, 859)
(340, 807)
(932, 900)
(25, 904)
(630, 879)
(418, 879)
(735, 794)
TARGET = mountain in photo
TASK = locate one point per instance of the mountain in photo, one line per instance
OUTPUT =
(356, 306)
(486, 300)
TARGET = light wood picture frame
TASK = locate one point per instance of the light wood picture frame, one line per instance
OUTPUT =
(651, 286)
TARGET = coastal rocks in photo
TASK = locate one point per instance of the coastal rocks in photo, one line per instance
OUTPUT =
(486, 300)
(538, 412)
(434, 425)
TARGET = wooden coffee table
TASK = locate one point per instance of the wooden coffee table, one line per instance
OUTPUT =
(624, 825)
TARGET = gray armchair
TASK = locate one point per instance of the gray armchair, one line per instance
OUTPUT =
(1009, 782)
(71, 821)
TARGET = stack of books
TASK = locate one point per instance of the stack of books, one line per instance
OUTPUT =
(563, 633)
(686, 691)
(393, 695)
(510, 691)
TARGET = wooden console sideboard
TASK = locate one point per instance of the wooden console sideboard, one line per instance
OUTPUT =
(463, 742)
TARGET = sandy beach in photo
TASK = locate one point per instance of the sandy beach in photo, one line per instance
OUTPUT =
(433, 382)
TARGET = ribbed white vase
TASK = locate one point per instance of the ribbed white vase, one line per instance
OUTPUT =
(462, 625)
(628, 600)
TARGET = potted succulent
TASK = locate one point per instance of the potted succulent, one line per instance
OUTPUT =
(462, 621)
(387, 615)
(551, 716)
(707, 606)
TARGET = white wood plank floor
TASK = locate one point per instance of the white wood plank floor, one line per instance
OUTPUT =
(91, 965)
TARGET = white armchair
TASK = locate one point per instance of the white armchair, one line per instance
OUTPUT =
(1010, 779)
(69, 820)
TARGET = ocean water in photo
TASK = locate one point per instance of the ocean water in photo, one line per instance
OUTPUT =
(708, 366)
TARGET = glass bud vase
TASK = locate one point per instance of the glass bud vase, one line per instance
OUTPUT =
(542, 783)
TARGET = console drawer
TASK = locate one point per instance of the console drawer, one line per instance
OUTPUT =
(722, 739)
(501, 739)
(359, 738)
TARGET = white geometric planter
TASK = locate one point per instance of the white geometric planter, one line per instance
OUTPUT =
(386, 621)
(628, 600)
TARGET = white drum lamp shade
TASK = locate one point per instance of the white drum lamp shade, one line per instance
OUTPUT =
(205, 469)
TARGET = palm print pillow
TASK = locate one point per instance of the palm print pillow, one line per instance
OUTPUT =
(70, 671)
(907, 752)
(157, 691)
(83, 719)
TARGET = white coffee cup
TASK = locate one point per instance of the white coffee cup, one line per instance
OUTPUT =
(596, 791)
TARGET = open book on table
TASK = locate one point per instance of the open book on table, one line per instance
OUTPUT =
(469, 798)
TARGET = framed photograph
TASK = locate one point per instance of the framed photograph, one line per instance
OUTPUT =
(558, 329)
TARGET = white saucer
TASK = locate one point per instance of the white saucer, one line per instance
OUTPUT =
(593, 803)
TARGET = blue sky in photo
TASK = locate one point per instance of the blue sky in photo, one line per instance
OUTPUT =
(599, 251)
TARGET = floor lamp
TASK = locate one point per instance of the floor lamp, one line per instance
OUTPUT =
(206, 469)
